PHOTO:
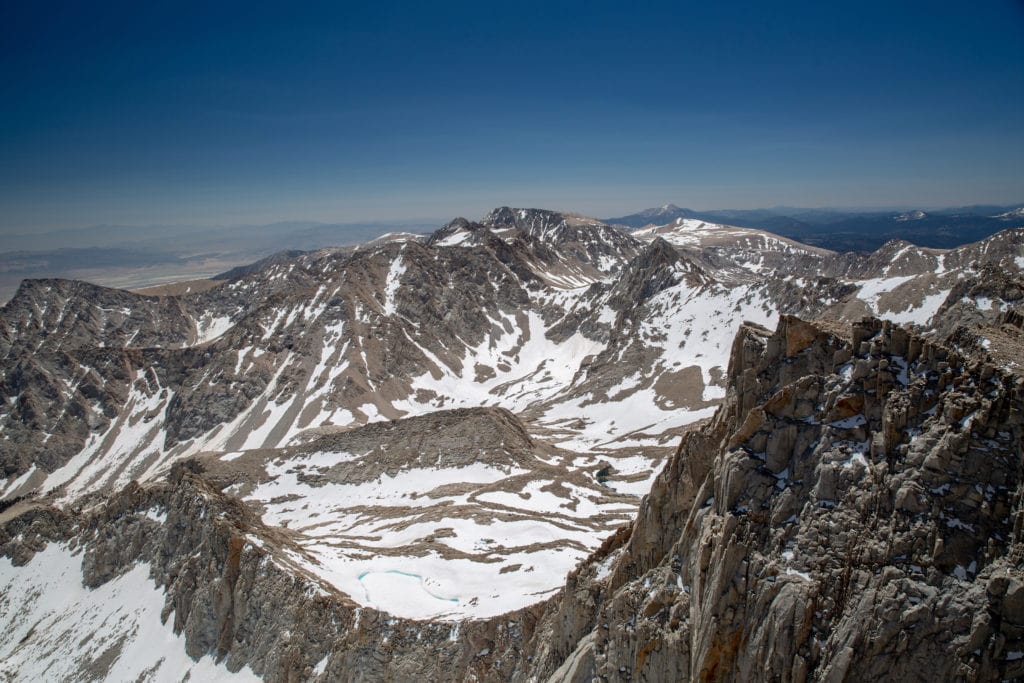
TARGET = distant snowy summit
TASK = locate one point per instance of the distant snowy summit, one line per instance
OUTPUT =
(1015, 214)
(657, 216)
(843, 230)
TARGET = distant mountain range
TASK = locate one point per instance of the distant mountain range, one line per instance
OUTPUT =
(842, 230)
(140, 256)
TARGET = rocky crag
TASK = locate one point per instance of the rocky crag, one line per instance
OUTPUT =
(853, 512)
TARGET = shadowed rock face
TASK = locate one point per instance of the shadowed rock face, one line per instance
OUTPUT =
(850, 513)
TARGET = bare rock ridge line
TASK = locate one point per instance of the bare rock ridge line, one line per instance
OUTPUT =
(852, 512)
(341, 337)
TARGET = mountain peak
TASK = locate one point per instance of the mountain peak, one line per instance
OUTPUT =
(524, 219)
(658, 215)
(1012, 214)
(915, 215)
(455, 232)
(503, 216)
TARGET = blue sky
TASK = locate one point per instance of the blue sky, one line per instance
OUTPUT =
(227, 113)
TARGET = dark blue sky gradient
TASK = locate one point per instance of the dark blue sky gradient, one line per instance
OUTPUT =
(222, 112)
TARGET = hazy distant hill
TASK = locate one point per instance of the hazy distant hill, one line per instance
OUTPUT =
(135, 256)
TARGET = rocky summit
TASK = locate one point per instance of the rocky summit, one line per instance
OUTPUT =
(532, 447)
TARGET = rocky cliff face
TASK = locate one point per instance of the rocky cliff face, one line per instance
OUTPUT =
(853, 512)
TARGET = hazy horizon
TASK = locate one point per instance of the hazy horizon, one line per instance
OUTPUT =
(432, 222)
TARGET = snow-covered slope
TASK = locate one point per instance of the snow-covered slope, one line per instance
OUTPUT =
(53, 628)
(698, 234)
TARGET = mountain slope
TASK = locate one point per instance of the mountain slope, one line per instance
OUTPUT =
(399, 428)
(848, 485)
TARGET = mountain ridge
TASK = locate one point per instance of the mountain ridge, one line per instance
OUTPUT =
(408, 424)
(844, 230)
(634, 591)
